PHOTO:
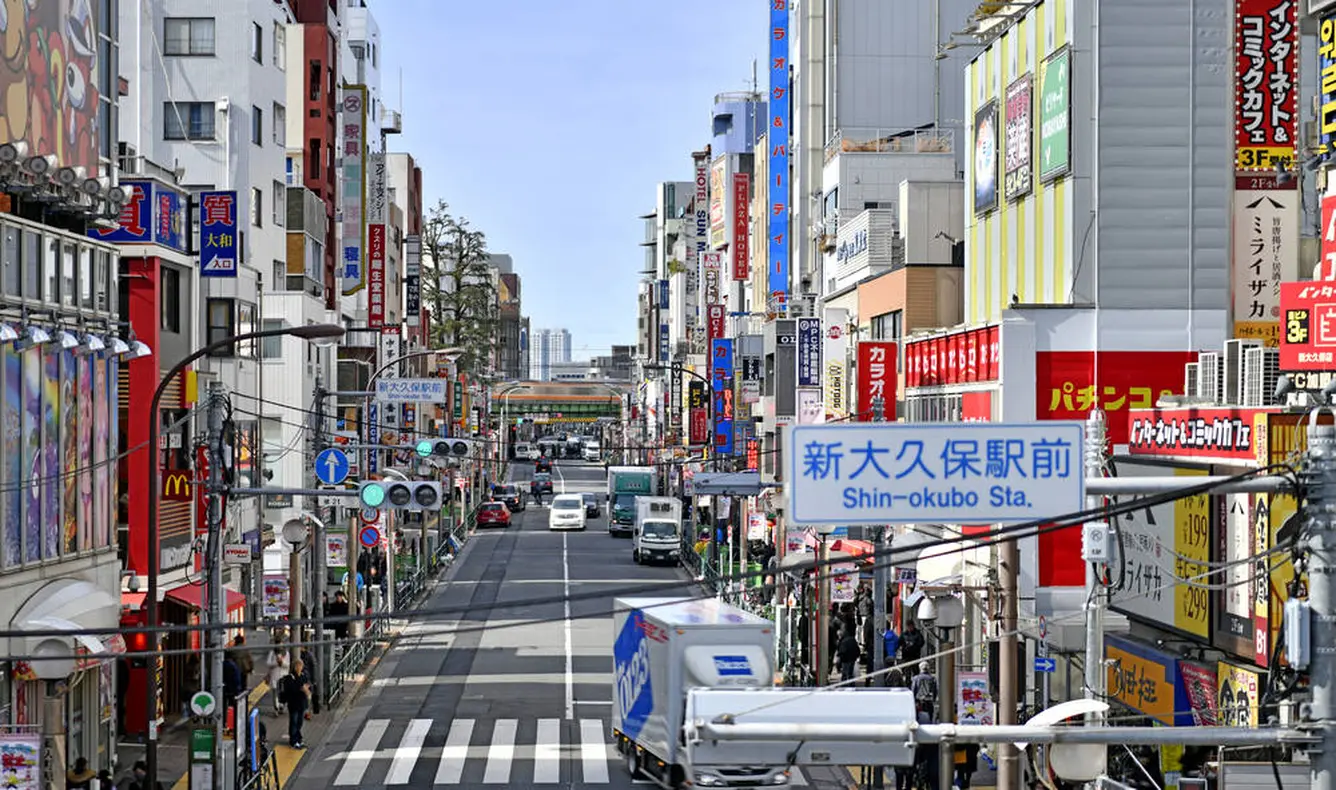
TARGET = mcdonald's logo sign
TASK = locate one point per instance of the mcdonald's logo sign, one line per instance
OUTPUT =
(177, 485)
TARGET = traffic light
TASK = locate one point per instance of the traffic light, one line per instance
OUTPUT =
(371, 493)
(413, 495)
(452, 448)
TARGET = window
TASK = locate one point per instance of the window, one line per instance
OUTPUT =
(32, 265)
(313, 159)
(280, 201)
(280, 46)
(314, 87)
(171, 300)
(221, 322)
(280, 280)
(86, 278)
(280, 124)
(891, 326)
(257, 125)
(257, 42)
(187, 36)
(272, 347)
(9, 260)
(246, 325)
(191, 120)
(69, 286)
(102, 272)
(257, 206)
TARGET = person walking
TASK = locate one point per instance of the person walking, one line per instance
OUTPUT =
(296, 695)
(848, 653)
(338, 611)
(967, 762)
(244, 660)
(924, 687)
(278, 669)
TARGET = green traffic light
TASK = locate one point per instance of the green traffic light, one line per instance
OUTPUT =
(424, 448)
(373, 495)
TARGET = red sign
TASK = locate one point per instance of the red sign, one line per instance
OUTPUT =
(877, 378)
(1326, 270)
(958, 358)
(741, 225)
(753, 455)
(976, 406)
(1266, 87)
(375, 277)
(699, 426)
(1068, 388)
(1209, 434)
(714, 315)
(1308, 324)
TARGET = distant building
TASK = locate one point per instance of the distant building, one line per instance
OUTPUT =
(616, 366)
(546, 348)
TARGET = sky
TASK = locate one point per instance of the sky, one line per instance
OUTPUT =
(547, 124)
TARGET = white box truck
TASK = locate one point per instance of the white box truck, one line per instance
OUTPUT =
(665, 646)
(657, 536)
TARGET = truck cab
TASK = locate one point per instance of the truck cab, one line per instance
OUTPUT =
(625, 484)
(658, 530)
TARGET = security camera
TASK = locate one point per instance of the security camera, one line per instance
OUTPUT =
(1284, 386)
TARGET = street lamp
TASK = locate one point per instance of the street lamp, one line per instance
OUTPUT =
(312, 332)
(947, 612)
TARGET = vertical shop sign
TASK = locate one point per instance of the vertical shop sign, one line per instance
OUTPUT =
(721, 377)
(809, 352)
(985, 158)
(711, 264)
(375, 295)
(1016, 169)
(352, 202)
(834, 352)
(876, 378)
(777, 139)
(218, 256)
(1055, 150)
(1266, 253)
(741, 226)
(1266, 51)
(1326, 118)
(412, 280)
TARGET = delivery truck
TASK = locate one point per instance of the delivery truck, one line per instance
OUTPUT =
(657, 536)
(662, 648)
(625, 483)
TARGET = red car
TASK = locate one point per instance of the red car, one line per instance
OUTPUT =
(494, 514)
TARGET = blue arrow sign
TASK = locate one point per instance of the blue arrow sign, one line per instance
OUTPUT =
(1042, 664)
(331, 466)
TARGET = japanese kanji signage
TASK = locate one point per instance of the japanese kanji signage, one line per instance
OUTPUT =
(700, 426)
(714, 321)
(1326, 111)
(411, 390)
(1308, 327)
(1068, 388)
(412, 280)
(1266, 253)
(665, 353)
(777, 139)
(375, 276)
(1017, 164)
(352, 200)
(877, 378)
(834, 358)
(1205, 434)
(959, 358)
(741, 226)
(152, 214)
(809, 352)
(218, 236)
(711, 263)
(721, 378)
(899, 473)
(1266, 52)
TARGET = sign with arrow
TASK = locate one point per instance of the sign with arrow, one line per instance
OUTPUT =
(1266, 252)
(331, 466)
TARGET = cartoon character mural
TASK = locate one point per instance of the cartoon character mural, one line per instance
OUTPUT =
(48, 79)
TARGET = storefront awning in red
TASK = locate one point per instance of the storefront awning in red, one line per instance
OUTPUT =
(193, 596)
(132, 601)
(858, 548)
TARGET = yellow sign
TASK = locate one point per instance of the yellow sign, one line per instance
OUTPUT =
(177, 485)
(1237, 690)
(1261, 157)
(1192, 542)
(1266, 331)
(1142, 684)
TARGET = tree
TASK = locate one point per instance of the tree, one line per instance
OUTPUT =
(457, 284)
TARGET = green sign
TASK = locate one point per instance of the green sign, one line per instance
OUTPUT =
(1054, 115)
(459, 400)
(201, 745)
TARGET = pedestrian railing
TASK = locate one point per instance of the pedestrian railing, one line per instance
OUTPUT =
(264, 779)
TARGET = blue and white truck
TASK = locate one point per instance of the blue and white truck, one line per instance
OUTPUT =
(663, 648)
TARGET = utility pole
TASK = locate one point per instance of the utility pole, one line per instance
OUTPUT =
(1321, 505)
(1095, 598)
(216, 485)
(318, 559)
(1008, 570)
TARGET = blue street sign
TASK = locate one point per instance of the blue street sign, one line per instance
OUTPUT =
(331, 466)
(1042, 664)
(904, 473)
(369, 536)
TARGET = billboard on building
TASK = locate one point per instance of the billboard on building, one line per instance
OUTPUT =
(219, 235)
(1055, 147)
(1068, 388)
(1308, 312)
(740, 246)
(49, 77)
(985, 158)
(352, 196)
(375, 278)
(877, 378)
(777, 168)
(1266, 87)
(718, 202)
(153, 214)
(1266, 252)
(809, 353)
(1017, 167)
(721, 377)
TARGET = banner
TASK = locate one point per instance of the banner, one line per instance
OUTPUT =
(699, 426)
(985, 158)
(741, 226)
(721, 376)
(1266, 52)
(1055, 147)
(719, 195)
(1266, 253)
(834, 358)
(777, 138)
(375, 294)
(352, 202)
(809, 352)
(1016, 163)
(274, 596)
(877, 378)
(974, 705)
(1326, 111)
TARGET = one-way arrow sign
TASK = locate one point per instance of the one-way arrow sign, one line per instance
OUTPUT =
(331, 466)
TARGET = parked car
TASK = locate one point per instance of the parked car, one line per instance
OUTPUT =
(543, 481)
(543, 464)
(568, 512)
(510, 494)
(493, 514)
(592, 510)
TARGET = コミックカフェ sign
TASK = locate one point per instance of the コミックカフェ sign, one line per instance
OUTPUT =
(1266, 52)
(1214, 434)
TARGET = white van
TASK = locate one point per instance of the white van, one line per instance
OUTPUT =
(566, 512)
(522, 450)
(591, 451)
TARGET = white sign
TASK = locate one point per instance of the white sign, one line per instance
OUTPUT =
(834, 356)
(908, 473)
(336, 550)
(391, 347)
(1266, 252)
(237, 553)
(843, 582)
(711, 264)
(411, 390)
(202, 703)
(811, 411)
(849, 247)
(376, 213)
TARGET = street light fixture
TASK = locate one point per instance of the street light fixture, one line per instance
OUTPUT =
(311, 332)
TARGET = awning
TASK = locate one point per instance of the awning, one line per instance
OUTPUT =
(68, 604)
(808, 559)
(858, 548)
(132, 601)
(727, 484)
(193, 596)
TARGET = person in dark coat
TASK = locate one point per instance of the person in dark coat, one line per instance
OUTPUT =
(967, 762)
(339, 609)
(296, 695)
(848, 652)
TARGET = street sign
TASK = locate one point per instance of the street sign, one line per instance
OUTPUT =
(1042, 664)
(369, 515)
(411, 390)
(237, 553)
(369, 536)
(907, 473)
(202, 703)
(1043, 627)
(331, 466)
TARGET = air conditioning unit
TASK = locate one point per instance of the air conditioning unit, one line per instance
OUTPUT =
(1261, 368)
(1208, 377)
(1190, 380)
(1233, 371)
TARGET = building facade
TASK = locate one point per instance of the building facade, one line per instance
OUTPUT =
(547, 347)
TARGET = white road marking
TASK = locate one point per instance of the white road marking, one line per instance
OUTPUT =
(363, 750)
(456, 752)
(593, 751)
(593, 702)
(501, 753)
(547, 752)
(566, 605)
(796, 778)
(408, 751)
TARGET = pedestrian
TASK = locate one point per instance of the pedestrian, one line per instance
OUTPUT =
(296, 694)
(231, 680)
(80, 777)
(925, 755)
(139, 778)
(911, 644)
(890, 641)
(863, 605)
(244, 661)
(278, 668)
(967, 762)
(848, 653)
(924, 686)
(338, 612)
(312, 672)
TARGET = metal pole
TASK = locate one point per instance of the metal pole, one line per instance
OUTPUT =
(1322, 599)
(389, 560)
(946, 697)
(213, 555)
(821, 643)
(1094, 647)
(1008, 571)
(980, 733)
(318, 541)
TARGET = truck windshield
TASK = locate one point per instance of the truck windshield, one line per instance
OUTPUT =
(659, 530)
(626, 501)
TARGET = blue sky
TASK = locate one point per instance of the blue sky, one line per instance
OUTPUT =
(547, 124)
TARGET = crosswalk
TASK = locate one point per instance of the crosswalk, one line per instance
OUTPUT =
(474, 752)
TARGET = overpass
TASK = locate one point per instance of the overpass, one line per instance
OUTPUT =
(547, 402)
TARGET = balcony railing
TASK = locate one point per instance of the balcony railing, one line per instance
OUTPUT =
(885, 141)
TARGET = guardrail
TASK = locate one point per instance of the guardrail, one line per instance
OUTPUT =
(264, 779)
(887, 141)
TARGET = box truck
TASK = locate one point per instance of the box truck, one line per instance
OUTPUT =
(657, 536)
(625, 483)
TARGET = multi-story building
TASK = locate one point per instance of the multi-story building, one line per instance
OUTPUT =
(617, 366)
(546, 348)
(508, 334)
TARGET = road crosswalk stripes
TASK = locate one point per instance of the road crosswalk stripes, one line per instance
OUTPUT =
(456, 752)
